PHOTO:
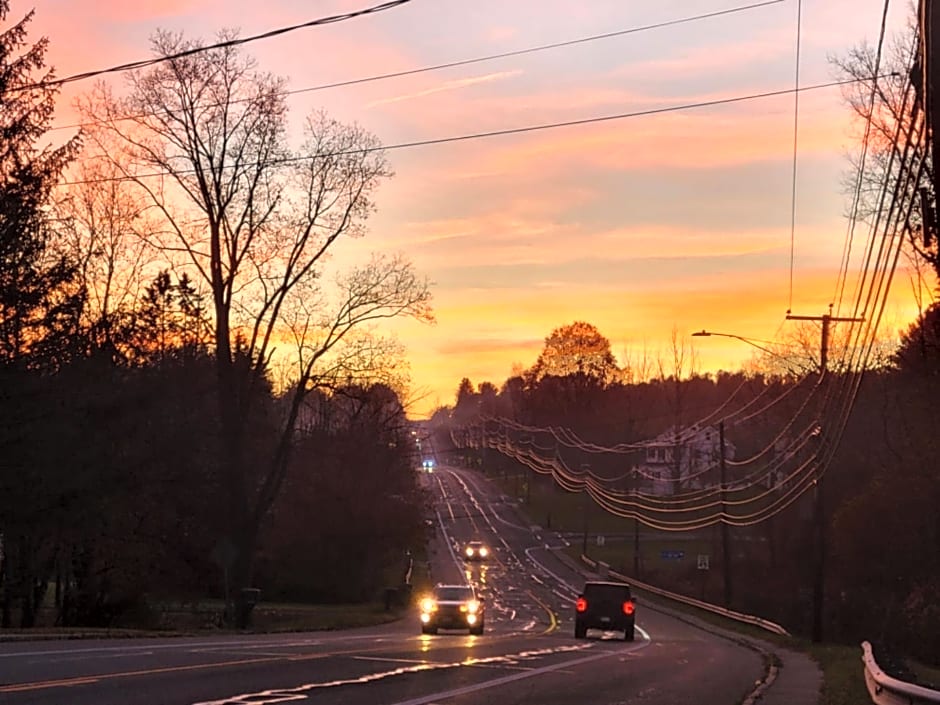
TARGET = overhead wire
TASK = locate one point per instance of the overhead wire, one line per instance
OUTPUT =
(492, 57)
(877, 274)
(490, 133)
(859, 353)
(860, 175)
(143, 63)
(739, 484)
(796, 133)
(792, 487)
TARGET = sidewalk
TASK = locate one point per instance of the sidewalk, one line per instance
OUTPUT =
(797, 680)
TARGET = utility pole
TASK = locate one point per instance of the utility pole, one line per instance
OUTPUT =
(725, 549)
(928, 88)
(585, 469)
(819, 519)
(636, 527)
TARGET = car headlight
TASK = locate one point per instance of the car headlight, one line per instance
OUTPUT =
(473, 607)
(469, 551)
(428, 605)
(484, 552)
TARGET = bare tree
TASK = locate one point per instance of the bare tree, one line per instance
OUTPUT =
(891, 115)
(677, 363)
(102, 226)
(638, 365)
(204, 138)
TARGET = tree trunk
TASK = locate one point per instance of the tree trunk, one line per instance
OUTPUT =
(5, 607)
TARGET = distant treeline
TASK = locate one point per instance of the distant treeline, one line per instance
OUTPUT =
(881, 492)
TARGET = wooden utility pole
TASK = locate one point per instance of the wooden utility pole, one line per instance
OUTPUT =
(636, 526)
(585, 469)
(928, 87)
(819, 519)
(725, 549)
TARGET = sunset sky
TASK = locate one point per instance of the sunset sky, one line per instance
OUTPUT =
(640, 226)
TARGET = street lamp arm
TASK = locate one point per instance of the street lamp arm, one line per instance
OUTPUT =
(707, 334)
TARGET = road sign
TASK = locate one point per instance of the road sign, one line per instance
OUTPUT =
(601, 540)
(672, 555)
(703, 561)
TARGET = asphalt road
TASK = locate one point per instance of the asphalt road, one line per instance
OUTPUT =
(527, 655)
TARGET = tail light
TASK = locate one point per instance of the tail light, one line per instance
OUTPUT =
(581, 605)
(628, 607)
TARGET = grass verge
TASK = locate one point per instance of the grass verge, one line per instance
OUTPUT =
(203, 617)
(928, 676)
(843, 682)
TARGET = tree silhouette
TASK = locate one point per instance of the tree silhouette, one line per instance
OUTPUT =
(576, 349)
(253, 220)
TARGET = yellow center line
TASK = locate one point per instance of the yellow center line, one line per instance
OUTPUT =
(86, 680)
(551, 615)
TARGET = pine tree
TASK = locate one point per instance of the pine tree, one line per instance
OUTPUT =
(32, 279)
(36, 303)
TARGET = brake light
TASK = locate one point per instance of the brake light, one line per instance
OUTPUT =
(628, 607)
(581, 605)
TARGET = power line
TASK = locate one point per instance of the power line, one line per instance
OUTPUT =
(504, 132)
(860, 176)
(796, 143)
(143, 63)
(501, 55)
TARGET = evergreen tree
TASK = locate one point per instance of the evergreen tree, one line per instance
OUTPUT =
(33, 302)
(36, 307)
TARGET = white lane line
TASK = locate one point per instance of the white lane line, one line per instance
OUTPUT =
(386, 659)
(448, 542)
(548, 572)
(466, 690)
(561, 583)
(302, 692)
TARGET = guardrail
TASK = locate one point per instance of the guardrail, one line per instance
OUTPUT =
(708, 607)
(885, 690)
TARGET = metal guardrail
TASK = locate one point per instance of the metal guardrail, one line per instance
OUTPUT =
(885, 690)
(708, 607)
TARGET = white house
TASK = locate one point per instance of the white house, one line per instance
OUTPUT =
(693, 454)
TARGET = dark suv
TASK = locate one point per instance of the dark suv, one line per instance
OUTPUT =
(607, 606)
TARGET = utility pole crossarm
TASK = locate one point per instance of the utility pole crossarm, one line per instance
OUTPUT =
(826, 319)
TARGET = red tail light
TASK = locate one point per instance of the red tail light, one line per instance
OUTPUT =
(628, 607)
(581, 605)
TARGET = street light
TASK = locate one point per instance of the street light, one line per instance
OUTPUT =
(707, 334)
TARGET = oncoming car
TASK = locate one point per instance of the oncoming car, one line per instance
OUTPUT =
(452, 607)
(607, 606)
(476, 551)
